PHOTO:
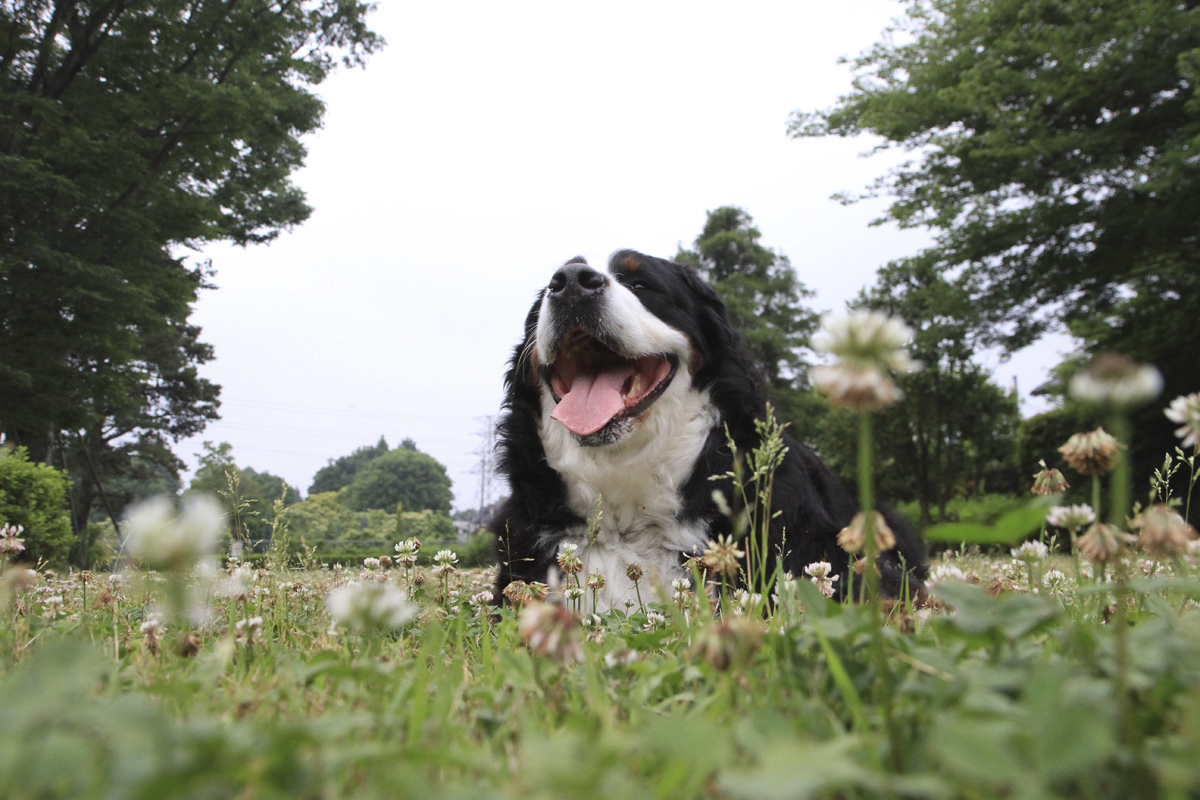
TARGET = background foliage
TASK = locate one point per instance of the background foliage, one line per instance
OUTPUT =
(127, 135)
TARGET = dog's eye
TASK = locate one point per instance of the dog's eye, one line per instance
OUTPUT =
(638, 285)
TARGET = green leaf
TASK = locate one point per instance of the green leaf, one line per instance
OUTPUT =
(1009, 529)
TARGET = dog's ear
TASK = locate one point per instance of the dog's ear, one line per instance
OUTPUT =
(729, 371)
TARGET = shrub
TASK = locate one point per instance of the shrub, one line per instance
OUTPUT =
(479, 550)
(34, 497)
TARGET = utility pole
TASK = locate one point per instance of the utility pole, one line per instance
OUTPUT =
(486, 453)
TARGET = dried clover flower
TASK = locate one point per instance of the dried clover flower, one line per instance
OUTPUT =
(550, 630)
(729, 642)
(721, 557)
(1102, 543)
(1049, 481)
(595, 580)
(1162, 532)
(517, 593)
(568, 560)
(853, 536)
(1091, 453)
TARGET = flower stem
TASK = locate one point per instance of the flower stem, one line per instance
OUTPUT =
(866, 501)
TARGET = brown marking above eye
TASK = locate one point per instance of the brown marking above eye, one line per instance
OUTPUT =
(630, 263)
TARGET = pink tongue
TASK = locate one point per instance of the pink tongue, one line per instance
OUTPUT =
(593, 400)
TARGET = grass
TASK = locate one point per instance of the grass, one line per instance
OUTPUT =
(1013, 694)
(1027, 675)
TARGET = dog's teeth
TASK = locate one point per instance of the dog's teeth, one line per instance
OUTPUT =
(635, 388)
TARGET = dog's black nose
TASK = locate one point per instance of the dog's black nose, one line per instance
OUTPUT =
(576, 281)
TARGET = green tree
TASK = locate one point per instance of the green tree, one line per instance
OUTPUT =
(1055, 162)
(405, 476)
(33, 496)
(248, 495)
(955, 431)
(340, 473)
(764, 299)
(128, 134)
(125, 452)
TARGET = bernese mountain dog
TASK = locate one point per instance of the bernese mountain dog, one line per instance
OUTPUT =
(622, 399)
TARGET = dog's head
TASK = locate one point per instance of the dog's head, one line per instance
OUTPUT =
(604, 349)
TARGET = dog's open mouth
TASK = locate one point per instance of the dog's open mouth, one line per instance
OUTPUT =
(595, 387)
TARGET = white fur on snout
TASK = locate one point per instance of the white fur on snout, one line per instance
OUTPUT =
(623, 319)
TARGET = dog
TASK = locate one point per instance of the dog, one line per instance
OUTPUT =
(621, 401)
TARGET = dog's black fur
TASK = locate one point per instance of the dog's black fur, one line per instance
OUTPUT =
(535, 520)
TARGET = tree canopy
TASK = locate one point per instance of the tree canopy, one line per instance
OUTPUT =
(340, 473)
(404, 476)
(1055, 160)
(1056, 147)
(127, 135)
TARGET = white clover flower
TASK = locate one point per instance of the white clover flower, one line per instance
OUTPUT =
(654, 621)
(160, 539)
(818, 570)
(572, 593)
(1071, 518)
(785, 589)
(53, 605)
(240, 582)
(444, 562)
(371, 563)
(621, 657)
(868, 346)
(406, 551)
(866, 339)
(370, 606)
(1112, 380)
(681, 591)
(1185, 410)
(1056, 581)
(248, 631)
(9, 541)
(820, 574)
(1031, 551)
(749, 599)
(481, 598)
(945, 572)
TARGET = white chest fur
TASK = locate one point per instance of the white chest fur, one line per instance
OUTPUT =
(635, 486)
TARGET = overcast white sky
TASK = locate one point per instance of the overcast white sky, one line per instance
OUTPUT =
(484, 146)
